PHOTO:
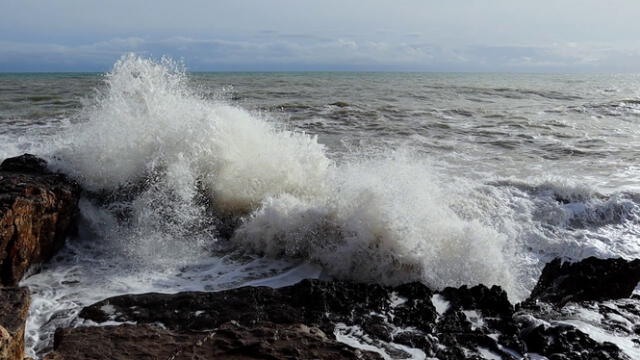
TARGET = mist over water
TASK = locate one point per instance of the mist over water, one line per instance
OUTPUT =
(211, 181)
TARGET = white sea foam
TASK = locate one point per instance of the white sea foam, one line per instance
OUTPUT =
(384, 220)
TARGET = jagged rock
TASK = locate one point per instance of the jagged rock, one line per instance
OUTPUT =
(589, 279)
(403, 315)
(14, 308)
(567, 342)
(470, 322)
(311, 302)
(229, 341)
(37, 210)
(473, 319)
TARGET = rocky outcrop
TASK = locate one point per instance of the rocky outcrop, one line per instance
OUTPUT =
(467, 322)
(589, 279)
(316, 303)
(14, 307)
(37, 210)
(567, 342)
(229, 341)
(454, 323)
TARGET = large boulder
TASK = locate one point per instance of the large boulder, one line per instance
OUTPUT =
(14, 308)
(37, 211)
(229, 341)
(590, 279)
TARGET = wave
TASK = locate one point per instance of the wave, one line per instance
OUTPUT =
(188, 164)
(172, 174)
(566, 205)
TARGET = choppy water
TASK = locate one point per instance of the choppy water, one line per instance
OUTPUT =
(448, 179)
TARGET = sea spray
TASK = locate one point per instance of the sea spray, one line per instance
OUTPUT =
(386, 219)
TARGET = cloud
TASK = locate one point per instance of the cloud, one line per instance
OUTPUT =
(273, 51)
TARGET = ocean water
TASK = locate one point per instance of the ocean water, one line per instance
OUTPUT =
(208, 181)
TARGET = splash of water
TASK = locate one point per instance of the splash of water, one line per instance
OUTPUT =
(388, 219)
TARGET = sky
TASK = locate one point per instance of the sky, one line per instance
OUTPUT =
(303, 35)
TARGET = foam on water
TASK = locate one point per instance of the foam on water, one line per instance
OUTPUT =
(385, 220)
(169, 172)
(388, 219)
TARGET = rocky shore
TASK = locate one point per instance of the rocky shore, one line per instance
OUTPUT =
(312, 319)
(38, 210)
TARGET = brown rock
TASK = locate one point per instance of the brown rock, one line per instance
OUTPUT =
(230, 341)
(37, 210)
(14, 307)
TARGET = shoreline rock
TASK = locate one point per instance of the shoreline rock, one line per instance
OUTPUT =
(37, 210)
(454, 323)
(14, 308)
(591, 279)
(228, 341)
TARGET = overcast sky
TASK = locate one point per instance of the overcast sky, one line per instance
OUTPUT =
(417, 35)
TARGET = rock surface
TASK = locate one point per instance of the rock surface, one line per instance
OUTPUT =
(229, 341)
(312, 302)
(589, 279)
(37, 210)
(454, 323)
(14, 308)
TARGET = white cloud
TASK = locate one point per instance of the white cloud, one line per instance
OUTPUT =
(274, 52)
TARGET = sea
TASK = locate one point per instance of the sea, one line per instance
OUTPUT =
(211, 181)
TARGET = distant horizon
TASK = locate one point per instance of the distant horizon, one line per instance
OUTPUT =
(82, 72)
(571, 36)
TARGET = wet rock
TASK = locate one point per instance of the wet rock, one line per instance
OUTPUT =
(14, 307)
(567, 342)
(26, 163)
(477, 318)
(589, 279)
(312, 302)
(37, 211)
(341, 104)
(229, 341)
(379, 312)
(470, 322)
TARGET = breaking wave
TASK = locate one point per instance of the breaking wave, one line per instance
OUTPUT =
(172, 174)
(175, 167)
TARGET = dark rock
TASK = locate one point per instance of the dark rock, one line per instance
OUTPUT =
(375, 309)
(417, 311)
(589, 279)
(455, 329)
(567, 342)
(490, 301)
(311, 302)
(14, 308)
(340, 104)
(229, 341)
(37, 211)
(26, 163)
(478, 320)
